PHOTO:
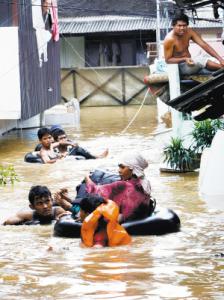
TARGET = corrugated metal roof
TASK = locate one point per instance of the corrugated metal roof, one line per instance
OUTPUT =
(105, 24)
(83, 25)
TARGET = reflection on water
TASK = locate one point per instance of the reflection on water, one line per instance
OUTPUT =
(184, 265)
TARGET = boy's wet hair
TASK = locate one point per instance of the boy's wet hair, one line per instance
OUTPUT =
(42, 132)
(89, 203)
(38, 192)
(57, 132)
(180, 17)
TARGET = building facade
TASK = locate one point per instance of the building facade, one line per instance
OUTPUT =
(30, 76)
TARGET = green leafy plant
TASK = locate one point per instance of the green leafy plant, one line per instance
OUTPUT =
(8, 175)
(178, 157)
(203, 133)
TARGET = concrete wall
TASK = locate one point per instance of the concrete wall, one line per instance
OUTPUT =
(7, 125)
(101, 84)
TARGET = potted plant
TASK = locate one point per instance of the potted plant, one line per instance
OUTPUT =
(177, 157)
(203, 133)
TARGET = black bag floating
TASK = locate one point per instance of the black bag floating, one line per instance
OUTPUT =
(99, 177)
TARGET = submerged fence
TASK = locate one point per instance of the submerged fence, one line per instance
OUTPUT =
(104, 86)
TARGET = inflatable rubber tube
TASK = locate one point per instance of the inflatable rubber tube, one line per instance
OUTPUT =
(160, 222)
(33, 157)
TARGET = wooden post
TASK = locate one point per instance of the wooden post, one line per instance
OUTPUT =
(123, 86)
(74, 84)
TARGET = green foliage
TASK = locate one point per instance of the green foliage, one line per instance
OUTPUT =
(178, 157)
(204, 132)
(7, 175)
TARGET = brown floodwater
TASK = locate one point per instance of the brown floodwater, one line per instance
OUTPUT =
(183, 265)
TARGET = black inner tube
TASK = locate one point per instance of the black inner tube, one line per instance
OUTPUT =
(161, 222)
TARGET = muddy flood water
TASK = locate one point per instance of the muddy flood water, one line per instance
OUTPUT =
(183, 265)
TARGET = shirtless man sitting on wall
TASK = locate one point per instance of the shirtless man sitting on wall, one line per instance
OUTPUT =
(176, 48)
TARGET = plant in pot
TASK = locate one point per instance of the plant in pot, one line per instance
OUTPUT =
(203, 133)
(179, 158)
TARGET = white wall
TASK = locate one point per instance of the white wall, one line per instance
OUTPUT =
(10, 100)
(214, 43)
(211, 188)
(72, 52)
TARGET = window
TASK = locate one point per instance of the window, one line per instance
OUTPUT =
(117, 50)
(110, 52)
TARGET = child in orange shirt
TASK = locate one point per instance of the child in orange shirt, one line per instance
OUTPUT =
(100, 227)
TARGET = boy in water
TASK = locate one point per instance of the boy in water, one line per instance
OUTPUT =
(48, 146)
(42, 211)
(68, 147)
(100, 227)
(47, 153)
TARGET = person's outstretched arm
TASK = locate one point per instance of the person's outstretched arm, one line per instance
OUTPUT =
(19, 218)
(204, 45)
(61, 197)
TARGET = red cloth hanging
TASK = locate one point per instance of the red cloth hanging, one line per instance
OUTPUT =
(54, 18)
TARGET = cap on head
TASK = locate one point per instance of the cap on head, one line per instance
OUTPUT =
(55, 127)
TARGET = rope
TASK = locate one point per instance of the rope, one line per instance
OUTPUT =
(136, 114)
(138, 111)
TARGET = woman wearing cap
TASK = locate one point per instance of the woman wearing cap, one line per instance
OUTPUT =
(132, 192)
